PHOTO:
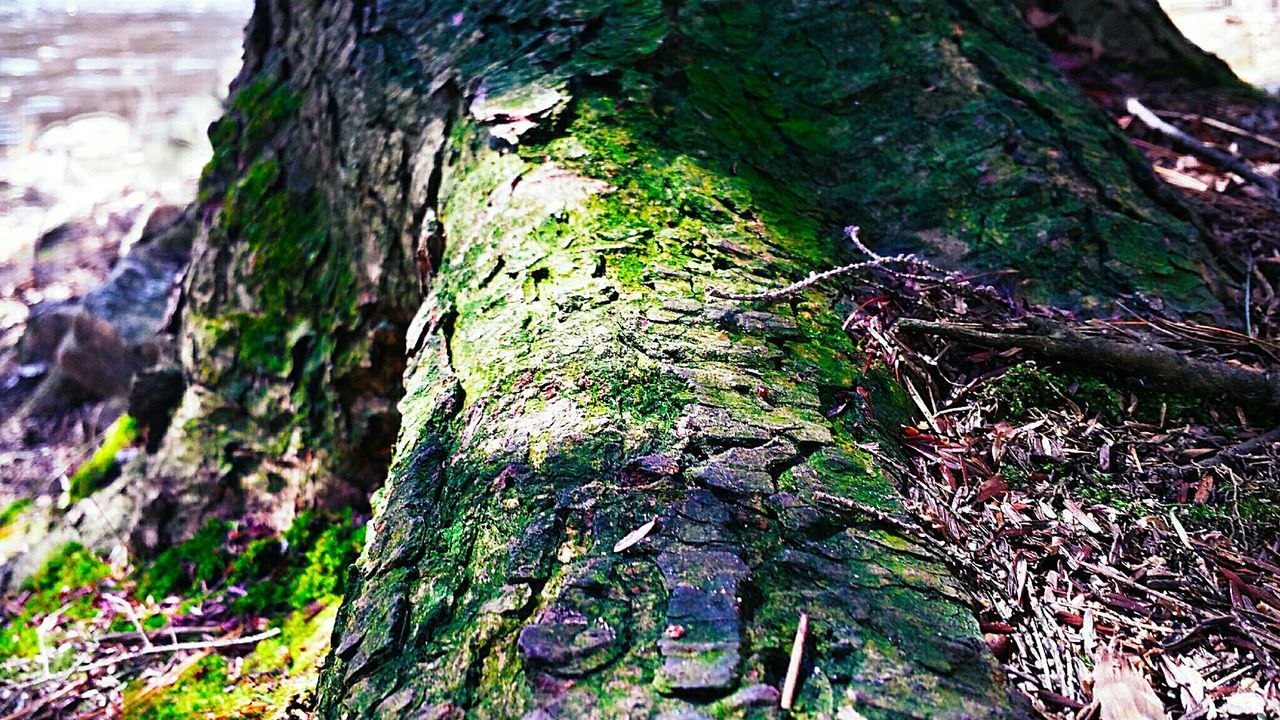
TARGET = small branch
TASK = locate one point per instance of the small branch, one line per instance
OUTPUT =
(1218, 158)
(1248, 298)
(813, 279)
(1225, 127)
(871, 512)
(1243, 386)
(152, 650)
(793, 668)
(877, 262)
(117, 637)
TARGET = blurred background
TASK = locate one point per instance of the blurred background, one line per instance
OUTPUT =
(104, 106)
(1244, 33)
(104, 110)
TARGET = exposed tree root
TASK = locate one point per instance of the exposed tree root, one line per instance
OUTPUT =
(1241, 385)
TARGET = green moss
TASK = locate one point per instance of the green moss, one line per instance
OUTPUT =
(90, 476)
(307, 564)
(65, 584)
(1254, 509)
(1026, 387)
(277, 671)
(637, 393)
(14, 511)
(201, 692)
(256, 114)
(197, 564)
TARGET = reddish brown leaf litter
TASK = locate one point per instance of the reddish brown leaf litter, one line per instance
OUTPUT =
(1092, 514)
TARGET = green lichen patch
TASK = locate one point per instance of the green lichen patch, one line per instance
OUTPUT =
(256, 114)
(12, 512)
(1026, 387)
(194, 565)
(97, 469)
(305, 564)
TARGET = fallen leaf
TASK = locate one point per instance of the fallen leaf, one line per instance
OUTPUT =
(1203, 489)
(994, 487)
(1245, 703)
(1122, 693)
(635, 536)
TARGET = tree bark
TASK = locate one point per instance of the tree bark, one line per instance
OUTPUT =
(531, 200)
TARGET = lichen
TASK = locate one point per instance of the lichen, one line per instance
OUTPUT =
(196, 564)
(12, 513)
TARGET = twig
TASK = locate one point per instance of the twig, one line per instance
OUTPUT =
(1246, 387)
(814, 279)
(877, 261)
(869, 511)
(1225, 127)
(40, 703)
(127, 608)
(793, 668)
(1248, 299)
(1209, 154)
(170, 631)
(153, 650)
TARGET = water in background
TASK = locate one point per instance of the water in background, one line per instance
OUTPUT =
(104, 108)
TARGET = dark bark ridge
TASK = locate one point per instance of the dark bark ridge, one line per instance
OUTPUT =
(566, 182)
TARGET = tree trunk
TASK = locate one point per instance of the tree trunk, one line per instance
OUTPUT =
(534, 198)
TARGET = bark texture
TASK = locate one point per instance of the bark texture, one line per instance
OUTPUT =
(531, 200)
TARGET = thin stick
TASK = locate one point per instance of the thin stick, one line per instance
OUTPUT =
(1225, 127)
(865, 509)
(793, 669)
(1248, 299)
(1223, 160)
(814, 279)
(153, 650)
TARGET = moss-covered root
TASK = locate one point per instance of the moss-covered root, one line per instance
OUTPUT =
(936, 125)
(571, 179)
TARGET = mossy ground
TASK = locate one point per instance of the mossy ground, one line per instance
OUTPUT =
(292, 581)
(305, 564)
(66, 585)
(12, 513)
(261, 685)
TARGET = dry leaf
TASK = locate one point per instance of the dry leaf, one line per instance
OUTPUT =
(1245, 703)
(1203, 489)
(1121, 693)
(994, 487)
(1182, 532)
(635, 536)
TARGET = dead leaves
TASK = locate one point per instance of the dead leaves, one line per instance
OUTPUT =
(1121, 693)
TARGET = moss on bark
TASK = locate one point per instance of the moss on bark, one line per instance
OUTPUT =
(570, 180)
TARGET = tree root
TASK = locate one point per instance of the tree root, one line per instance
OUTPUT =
(1241, 385)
